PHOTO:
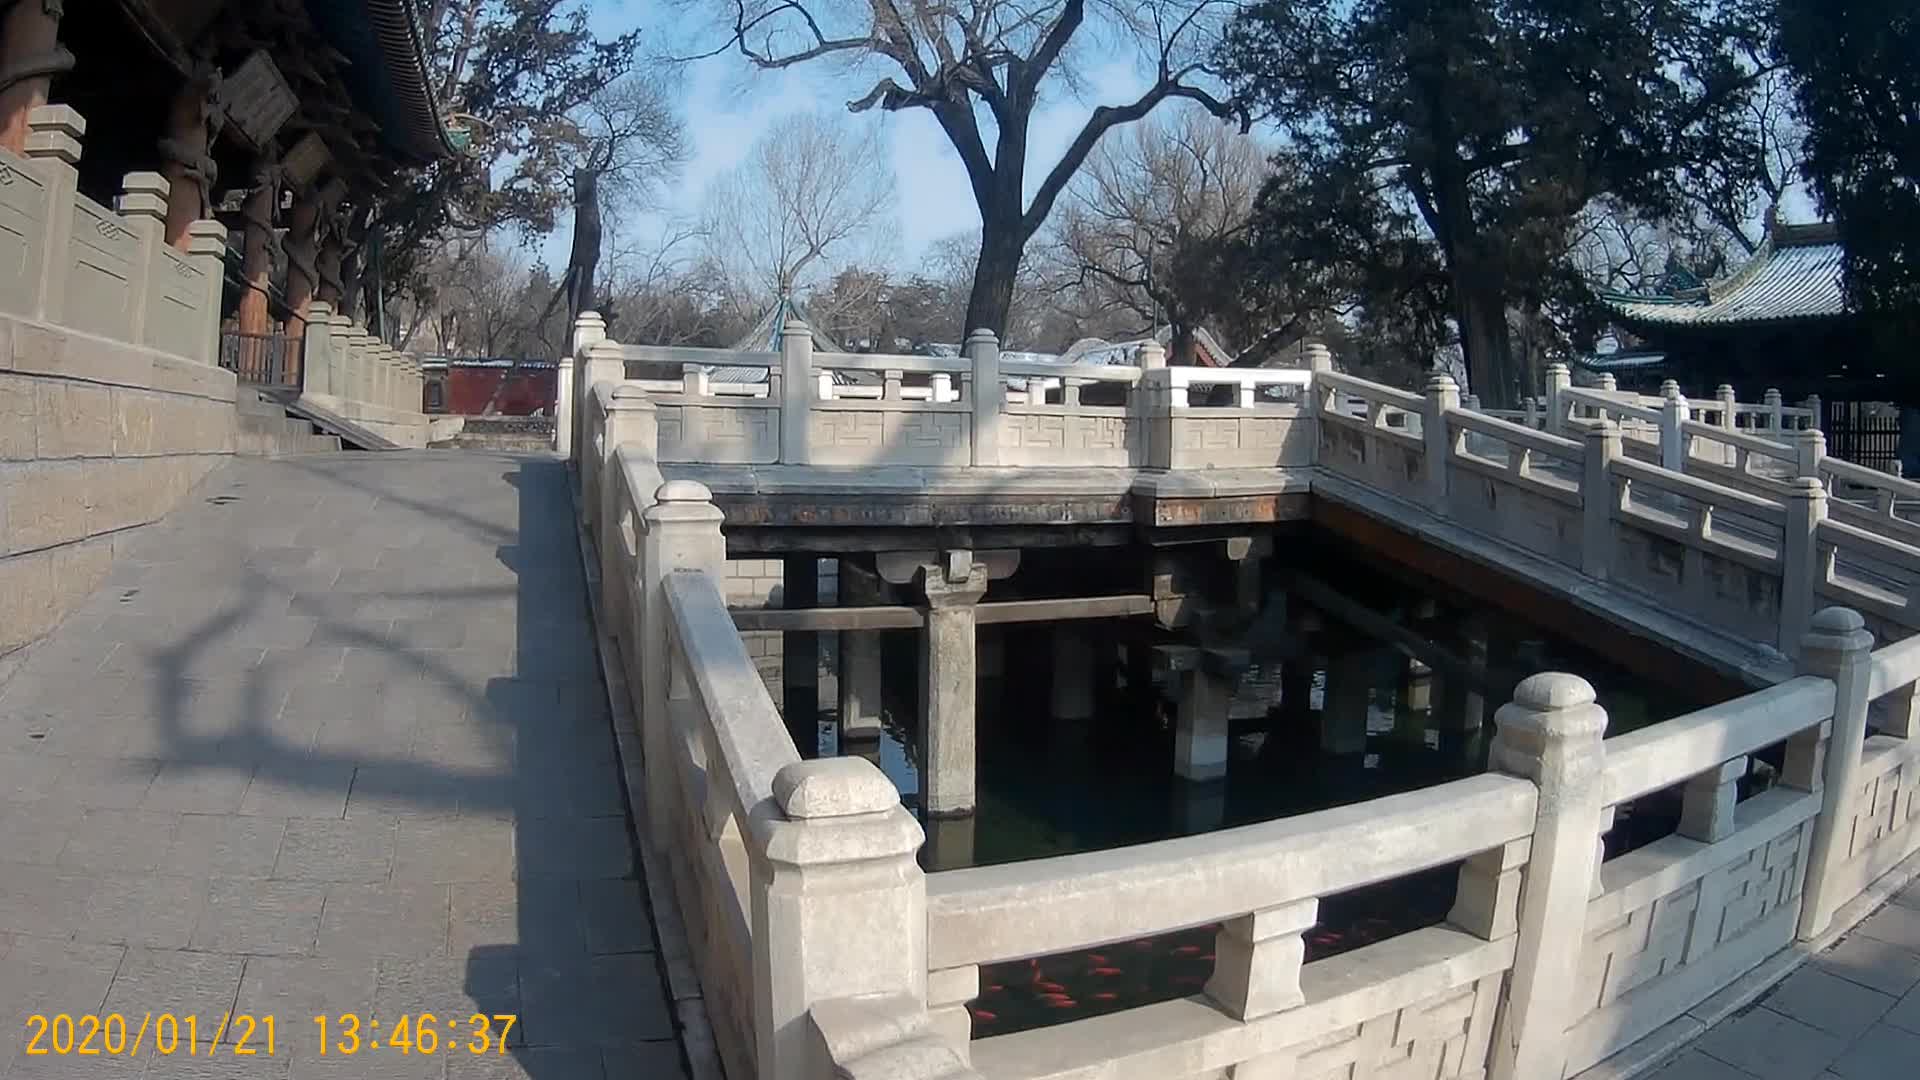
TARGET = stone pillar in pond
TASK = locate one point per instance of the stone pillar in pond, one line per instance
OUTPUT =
(947, 671)
(859, 661)
(800, 656)
(1072, 672)
(1460, 706)
(949, 843)
(1206, 679)
(1343, 715)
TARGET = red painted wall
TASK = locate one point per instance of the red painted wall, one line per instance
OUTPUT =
(469, 389)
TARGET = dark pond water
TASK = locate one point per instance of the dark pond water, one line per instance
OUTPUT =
(1049, 787)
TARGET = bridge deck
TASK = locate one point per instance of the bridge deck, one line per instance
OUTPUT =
(332, 740)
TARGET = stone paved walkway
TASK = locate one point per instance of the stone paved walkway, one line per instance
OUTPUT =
(332, 740)
(1851, 1013)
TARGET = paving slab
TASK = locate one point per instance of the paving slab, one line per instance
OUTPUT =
(331, 739)
(1853, 1013)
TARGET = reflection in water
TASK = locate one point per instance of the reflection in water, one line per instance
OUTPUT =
(1328, 714)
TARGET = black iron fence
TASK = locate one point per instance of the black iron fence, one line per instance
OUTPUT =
(1863, 432)
(261, 359)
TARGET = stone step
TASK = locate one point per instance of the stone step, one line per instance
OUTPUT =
(517, 443)
(263, 444)
(273, 425)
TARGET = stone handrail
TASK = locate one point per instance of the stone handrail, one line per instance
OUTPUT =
(1018, 910)
(1674, 751)
(100, 271)
(1521, 444)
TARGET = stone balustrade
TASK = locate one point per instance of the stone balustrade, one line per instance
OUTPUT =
(845, 409)
(75, 264)
(353, 374)
(824, 951)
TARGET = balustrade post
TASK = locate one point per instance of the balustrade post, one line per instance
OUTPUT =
(1809, 451)
(1153, 356)
(316, 348)
(589, 329)
(989, 396)
(1771, 399)
(1559, 378)
(53, 146)
(563, 405)
(633, 421)
(1725, 399)
(1550, 734)
(142, 206)
(1837, 647)
(680, 531)
(1802, 570)
(1817, 420)
(1608, 382)
(1673, 435)
(1443, 395)
(207, 249)
(839, 905)
(1603, 447)
(796, 392)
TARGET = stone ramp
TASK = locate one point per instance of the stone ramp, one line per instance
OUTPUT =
(332, 740)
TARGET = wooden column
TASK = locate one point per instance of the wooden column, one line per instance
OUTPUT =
(328, 263)
(257, 264)
(30, 56)
(303, 272)
(189, 169)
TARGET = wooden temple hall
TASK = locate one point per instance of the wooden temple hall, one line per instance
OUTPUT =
(278, 119)
(1781, 321)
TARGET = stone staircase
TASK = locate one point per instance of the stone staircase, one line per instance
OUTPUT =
(265, 430)
(517, 434)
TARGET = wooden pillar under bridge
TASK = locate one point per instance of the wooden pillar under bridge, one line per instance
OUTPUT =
(189, 169)
(30, 56)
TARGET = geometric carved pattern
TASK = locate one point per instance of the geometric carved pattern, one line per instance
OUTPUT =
(1424, 1041)
(1684, 925)
(929, 431)
(1061, 432)
(1884, 806)
(864, 430)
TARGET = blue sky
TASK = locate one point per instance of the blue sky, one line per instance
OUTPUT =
(727, 106)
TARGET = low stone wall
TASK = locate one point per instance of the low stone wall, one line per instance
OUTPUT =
(409, 430)
(97, 438)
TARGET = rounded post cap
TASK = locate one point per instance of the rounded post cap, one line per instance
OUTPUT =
(1805, 487)
(590, 317)
(1553, 691)
(683, 491)
(1724, 390)
(833, 787)
(1558, 368)
(982, 334)
(1440, 380)
(1837, 620)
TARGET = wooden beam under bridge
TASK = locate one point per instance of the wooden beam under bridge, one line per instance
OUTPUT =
(897, 617)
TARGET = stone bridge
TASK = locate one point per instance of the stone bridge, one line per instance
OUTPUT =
(1715, 529)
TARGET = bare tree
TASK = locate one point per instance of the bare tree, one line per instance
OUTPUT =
(810, 189)
(989, 60)
(626, 141)
(1148, 225)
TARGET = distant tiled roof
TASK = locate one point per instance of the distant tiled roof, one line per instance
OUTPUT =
(765, 337)
(1624, 360)
(1796, 274)
(387, 72)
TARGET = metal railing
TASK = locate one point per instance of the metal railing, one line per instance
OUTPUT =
(261, 359)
